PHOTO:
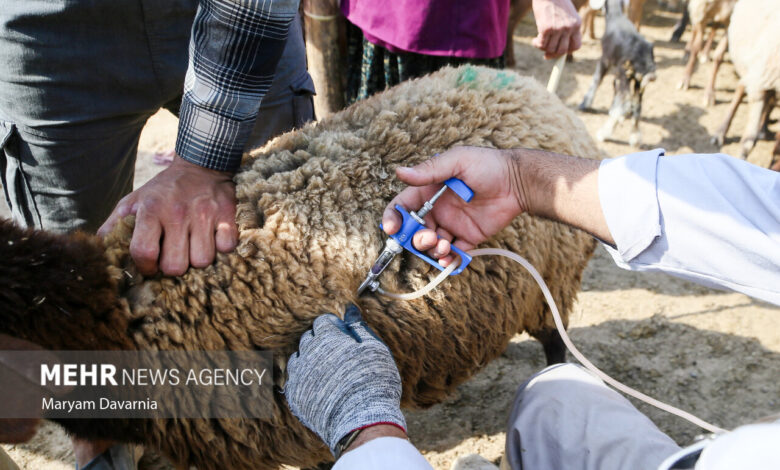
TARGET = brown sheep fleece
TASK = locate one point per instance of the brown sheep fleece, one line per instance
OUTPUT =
(308, 208)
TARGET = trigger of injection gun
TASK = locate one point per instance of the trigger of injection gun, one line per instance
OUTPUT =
(394, 246)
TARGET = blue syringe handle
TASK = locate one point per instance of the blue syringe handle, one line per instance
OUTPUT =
(409, 226)
(460, 188)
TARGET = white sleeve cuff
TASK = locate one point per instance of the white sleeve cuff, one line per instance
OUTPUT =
(627, 192)
(384, 453)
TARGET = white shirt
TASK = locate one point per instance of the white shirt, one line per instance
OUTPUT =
(712, 219)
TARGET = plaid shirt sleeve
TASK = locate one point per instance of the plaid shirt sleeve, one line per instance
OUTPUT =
(234, 49)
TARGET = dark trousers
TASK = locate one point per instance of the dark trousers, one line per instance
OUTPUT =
(79, 79)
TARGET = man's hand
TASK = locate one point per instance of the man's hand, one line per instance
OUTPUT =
(559, 27)
(181, 215)
(343, 378)
(506, 183)
(499, 197)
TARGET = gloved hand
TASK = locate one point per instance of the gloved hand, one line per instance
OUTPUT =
(343, 378)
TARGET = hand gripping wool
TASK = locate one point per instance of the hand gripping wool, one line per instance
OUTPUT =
(308, 207)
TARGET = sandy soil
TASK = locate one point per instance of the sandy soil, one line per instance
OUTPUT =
(715, 354)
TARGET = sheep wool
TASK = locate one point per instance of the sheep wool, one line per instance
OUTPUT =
(309, 204)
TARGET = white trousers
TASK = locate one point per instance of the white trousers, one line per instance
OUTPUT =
(564, 418)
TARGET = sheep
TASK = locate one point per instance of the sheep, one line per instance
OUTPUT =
(753, 46)
(702, 13)
(632, 56)
(308, 208)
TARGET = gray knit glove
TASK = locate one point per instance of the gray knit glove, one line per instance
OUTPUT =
(343, 378)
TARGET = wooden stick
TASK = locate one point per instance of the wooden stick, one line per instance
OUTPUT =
(555, 76)
(323, 52)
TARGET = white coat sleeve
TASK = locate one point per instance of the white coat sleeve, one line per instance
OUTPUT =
(711, 219)
(384, 453)
(752, 446)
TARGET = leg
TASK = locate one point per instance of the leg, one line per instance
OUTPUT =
(776, 154)
(59, 184)
(591, 21)
(720, 134)
(517, 10)
(704, 55)
(72, 132)
(606, 130)
(755, 111)
(588, 17)
(709, 99)
(288, 103)
(598, 76)
(554, 348)
(696, 39)
(616, 112)
(583, 12)
(769, 104)
(635, 8)
(679, 27)
(635, 138)
(565, 418)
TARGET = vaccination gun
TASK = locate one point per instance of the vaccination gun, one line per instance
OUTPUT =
(402, 240)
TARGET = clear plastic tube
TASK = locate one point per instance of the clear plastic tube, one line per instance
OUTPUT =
(559, 324)
(428, 287)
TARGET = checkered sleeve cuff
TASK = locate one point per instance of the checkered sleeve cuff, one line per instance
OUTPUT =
(234, 50)
(210, 140)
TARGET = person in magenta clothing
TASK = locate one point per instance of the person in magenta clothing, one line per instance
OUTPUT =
(390, 41)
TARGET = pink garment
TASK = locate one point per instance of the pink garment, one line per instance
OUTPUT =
(460, 28)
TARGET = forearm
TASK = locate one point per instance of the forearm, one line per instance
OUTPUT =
(712, 219)
(560, 188)
(234, 50)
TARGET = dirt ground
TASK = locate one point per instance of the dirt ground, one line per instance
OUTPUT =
(712, 353)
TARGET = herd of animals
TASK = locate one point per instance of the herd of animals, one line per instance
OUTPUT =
(749, 30)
